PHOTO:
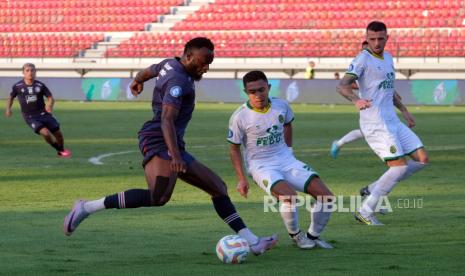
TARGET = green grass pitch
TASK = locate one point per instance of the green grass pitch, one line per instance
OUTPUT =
(37, 189)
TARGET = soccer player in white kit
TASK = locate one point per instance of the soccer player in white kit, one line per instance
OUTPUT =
(263, 126)
(387, 136)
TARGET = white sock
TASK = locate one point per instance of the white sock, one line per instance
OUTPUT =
(248, 236)
(413, 167)
(94, 205)
(383, 187)
(320, 218)
(350, 137)
(290, 217)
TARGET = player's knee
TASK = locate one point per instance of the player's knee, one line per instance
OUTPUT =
(219, 189)
(161, 194)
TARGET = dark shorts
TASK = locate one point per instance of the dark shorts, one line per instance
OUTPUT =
(43, 120)
(154, 145)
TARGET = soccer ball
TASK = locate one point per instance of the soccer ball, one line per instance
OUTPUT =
(232, 249)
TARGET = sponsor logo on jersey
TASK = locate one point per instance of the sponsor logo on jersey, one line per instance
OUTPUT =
(176, 91)
(31, 98)
(273, 137)
(265, 182)
(351, 67)
(281, 118)
(22, 90)
(393, 149)
(230, 133)
(29, 90)
(37, 89)
(388, 83)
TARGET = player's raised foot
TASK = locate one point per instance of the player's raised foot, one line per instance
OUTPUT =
(323, 244)
(364, 191)
(334, 149)
(64, 154)
(301, 240)
(368, 220)
(75, 217)
(263, 244)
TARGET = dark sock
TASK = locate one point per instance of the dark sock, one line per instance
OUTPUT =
(293, 235)
(311, 237)
(134, 198)
(227, 212)
(57, 147)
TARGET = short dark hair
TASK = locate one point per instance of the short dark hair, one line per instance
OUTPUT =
(376, 26)
(29, 65)
(364, 43)
(253, 76)
(198, 43)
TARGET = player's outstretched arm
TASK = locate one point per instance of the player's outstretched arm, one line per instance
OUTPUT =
(345, 89)
(236, 159)
(50, 104)
(168, 117)
(397, 100)
(9, 104)
(138, 84)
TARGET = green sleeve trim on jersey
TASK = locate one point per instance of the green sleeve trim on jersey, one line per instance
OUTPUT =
(292, 120)
(348, 73)
(414, 150)
(393, 158)
(274, 183)
(233, 143)
(307, 183)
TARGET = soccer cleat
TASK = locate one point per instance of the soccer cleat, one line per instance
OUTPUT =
(334, 149)
(75, 217)
(301, 240)
(263, 244)
(323, 244)
(369, 220)
(364, 191)
(65, 153)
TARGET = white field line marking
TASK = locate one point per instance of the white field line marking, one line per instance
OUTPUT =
(96, 160)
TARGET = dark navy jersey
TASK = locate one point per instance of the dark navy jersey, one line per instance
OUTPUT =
(31, 97)
(173, 87)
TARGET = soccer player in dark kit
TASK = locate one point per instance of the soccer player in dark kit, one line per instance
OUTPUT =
(37, 113)
(162, 145)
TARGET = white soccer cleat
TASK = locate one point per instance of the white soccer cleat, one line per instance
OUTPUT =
(75, 217)
(368, 220)
(263, 244)
(301, 240)
(323, 244)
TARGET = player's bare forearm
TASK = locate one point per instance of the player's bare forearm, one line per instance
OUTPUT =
(236, 160)
(397, 100)
(144, 75)
(50, 104)
(168, 117)
(288, 134)
(9, 104)
(345, 88)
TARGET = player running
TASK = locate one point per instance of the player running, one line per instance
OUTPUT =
(387, 136)
(36, 113)
(161, 142)
(263, 126)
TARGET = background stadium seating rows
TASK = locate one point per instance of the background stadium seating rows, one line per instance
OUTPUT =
(239, 28)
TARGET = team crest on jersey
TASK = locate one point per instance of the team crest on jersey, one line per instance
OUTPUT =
(351, 67)
(281, 118)
(230, 133)
(22, 90)
(37, 89)
(176, 91)
(393, 149)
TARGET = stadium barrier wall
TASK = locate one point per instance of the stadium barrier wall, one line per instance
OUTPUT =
(416, 92)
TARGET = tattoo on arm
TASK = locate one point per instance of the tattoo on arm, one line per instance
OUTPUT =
(345, 87)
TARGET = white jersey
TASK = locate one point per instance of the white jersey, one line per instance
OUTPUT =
(376, 77)
(261, 133)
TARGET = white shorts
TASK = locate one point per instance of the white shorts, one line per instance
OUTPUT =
(390, 141)
(293, 171)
